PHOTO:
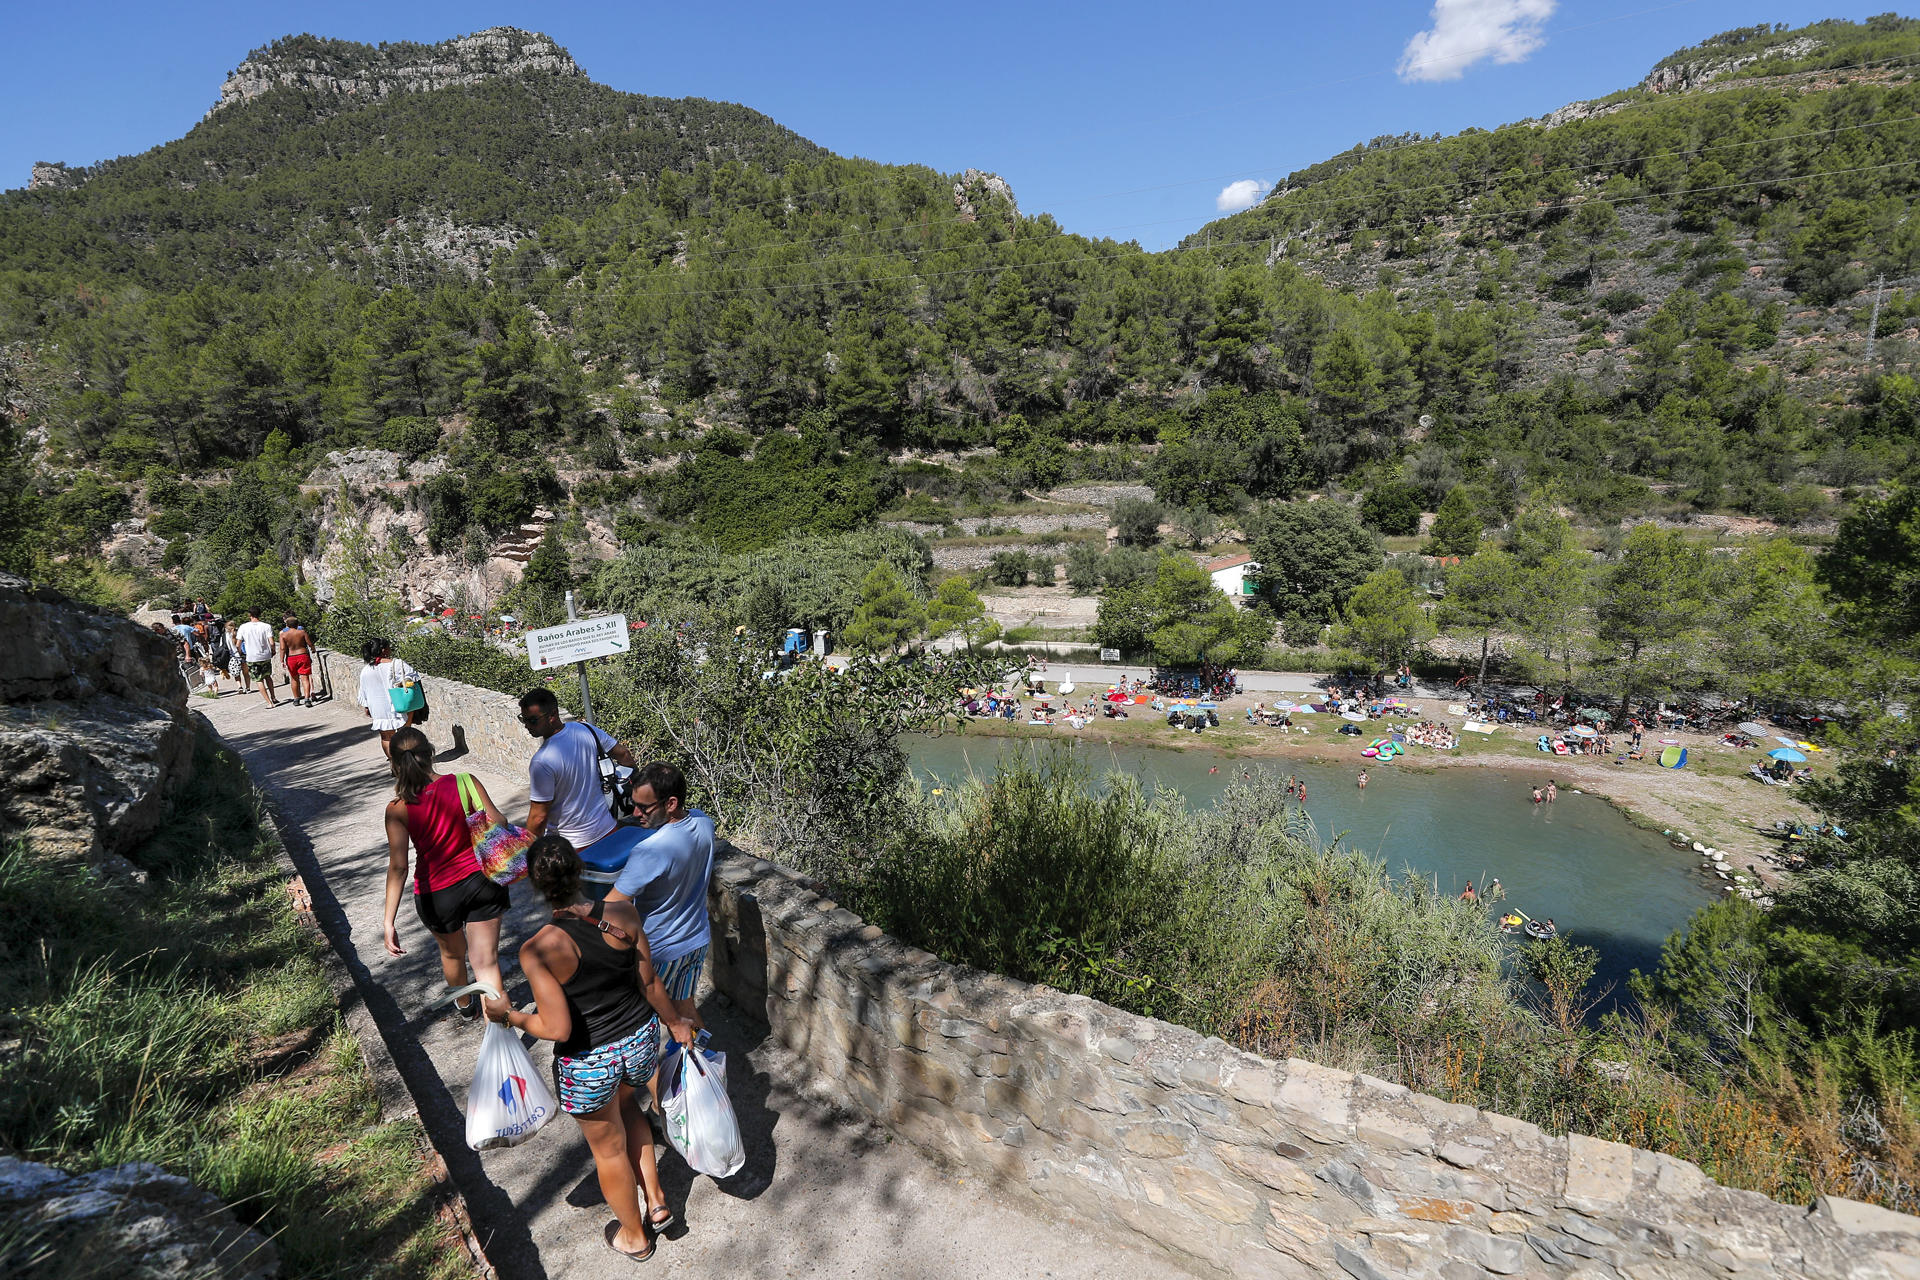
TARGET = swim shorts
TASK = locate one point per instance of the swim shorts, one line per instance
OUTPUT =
(682, 975)
(260, 670)
(299, 664)
(587, 1083)
(447, 910)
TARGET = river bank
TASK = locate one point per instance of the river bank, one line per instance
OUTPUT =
(1713, 799)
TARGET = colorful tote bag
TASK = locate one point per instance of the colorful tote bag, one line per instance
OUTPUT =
(500, 847)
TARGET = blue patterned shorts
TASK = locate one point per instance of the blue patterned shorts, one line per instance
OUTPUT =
(588, 1082)
(681, 976)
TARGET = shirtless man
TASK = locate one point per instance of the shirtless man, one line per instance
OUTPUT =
(297, 647)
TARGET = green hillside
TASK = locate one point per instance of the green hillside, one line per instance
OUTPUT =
(308, 180)
(1654, 300)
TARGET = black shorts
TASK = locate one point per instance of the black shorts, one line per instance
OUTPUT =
(475, 898)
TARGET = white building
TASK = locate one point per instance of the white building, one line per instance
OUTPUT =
(1237, 576)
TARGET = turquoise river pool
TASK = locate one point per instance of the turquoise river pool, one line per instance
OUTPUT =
(1607, 883)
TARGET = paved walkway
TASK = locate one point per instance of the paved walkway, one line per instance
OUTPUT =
(821, 1195)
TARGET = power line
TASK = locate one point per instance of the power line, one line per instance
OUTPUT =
(1289, 203)
(1261, 239)
(925, 224)
(790, 197)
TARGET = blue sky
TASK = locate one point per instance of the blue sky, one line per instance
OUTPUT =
(1124, 119)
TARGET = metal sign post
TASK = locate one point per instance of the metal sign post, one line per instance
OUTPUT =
(578, 641)
(586, 698)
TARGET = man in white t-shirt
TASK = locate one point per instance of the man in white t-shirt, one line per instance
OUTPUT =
(565, 788)
(257, 644)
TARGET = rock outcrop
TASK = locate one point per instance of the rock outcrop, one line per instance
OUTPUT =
(313, 67)
(94, 733)
(133, 1222)
(1677, 77)
(976, 189)
(52, 175)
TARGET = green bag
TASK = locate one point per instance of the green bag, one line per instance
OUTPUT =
(409, 696)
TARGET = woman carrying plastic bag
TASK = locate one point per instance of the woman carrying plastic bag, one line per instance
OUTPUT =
(699, 1115)
(508, 1102)
(589, 970)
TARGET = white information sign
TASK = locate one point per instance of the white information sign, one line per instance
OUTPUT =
(577, 641)
(1109, 655)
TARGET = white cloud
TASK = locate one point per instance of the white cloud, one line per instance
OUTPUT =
(1465, 31)
(1236, 196)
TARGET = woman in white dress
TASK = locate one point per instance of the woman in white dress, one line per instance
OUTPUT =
(377, 679)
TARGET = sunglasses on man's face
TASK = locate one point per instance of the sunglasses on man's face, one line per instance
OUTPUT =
(532, 717)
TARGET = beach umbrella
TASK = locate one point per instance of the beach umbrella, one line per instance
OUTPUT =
(1749, 727)
(1786, 753)
(1583, 731)
(446, 613)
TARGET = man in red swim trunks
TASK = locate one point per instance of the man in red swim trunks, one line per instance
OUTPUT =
(298, 648)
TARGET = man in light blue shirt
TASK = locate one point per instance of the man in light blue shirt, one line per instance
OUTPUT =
(666, 879)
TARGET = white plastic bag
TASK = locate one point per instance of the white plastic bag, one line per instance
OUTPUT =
(699, 1116)
(508, 1102)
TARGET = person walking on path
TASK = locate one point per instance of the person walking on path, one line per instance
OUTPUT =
(236, 664)
(296, 647)
(377, 678)
(452, 896)
(565, 793)
(210, 649)
(593, 979)
(256, 647)
(666, 880)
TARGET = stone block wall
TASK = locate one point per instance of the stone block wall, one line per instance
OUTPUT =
(482, 721)
(1237, 1165)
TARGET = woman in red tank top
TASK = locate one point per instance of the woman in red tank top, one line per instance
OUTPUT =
(453, 898)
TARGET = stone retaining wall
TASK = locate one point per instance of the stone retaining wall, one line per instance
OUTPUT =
(486, 724)
(1234, 1163)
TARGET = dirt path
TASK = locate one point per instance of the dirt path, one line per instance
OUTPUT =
(822, 1195)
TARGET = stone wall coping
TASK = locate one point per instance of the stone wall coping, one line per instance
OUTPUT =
(1214, 1133)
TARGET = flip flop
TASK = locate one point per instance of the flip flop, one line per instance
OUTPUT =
(657, 1222)
(613, 1229)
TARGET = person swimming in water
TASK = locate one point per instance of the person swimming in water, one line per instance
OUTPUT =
(1362, 780)
(1495, 893)
(1468, 895)
(1552, 791)
(1537, 797)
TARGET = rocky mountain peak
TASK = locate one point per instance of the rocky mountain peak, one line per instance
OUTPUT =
(976, 189)
(369, 73)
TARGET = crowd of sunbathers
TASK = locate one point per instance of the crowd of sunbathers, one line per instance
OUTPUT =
(1433, 733)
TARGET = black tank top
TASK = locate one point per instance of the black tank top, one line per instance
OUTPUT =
(603, 995)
